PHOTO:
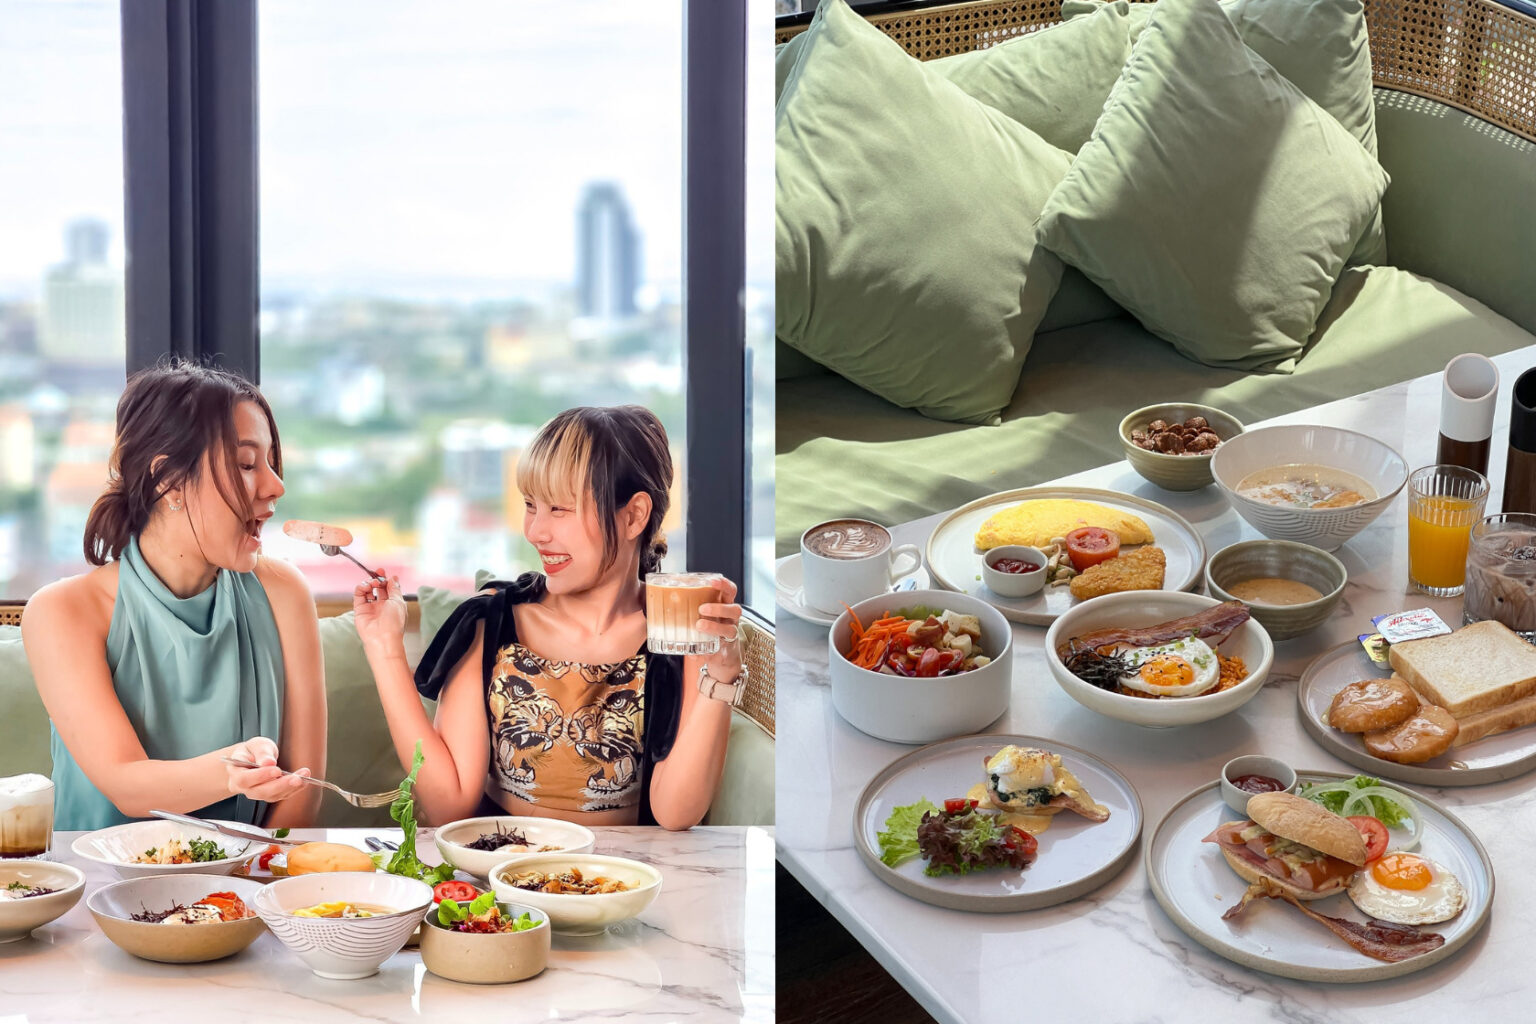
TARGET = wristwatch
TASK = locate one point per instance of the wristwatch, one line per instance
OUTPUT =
(718, 689)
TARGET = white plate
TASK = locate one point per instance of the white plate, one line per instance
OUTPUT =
(956, 563)
(788, 581)
(1076, 855)
(1194, 885)
(114, 846)
(1491, 759)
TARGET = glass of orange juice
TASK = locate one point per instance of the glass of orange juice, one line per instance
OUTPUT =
(1444, 503)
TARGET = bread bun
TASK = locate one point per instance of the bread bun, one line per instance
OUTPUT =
(1302, 821)
(313, 857)
(1250, 874)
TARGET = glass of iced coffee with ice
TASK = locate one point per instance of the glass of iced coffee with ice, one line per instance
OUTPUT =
(26, 815)
(672, 602)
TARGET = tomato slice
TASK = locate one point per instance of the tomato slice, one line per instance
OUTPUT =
(459, 892)
(264, 862)
(958, 805)
(1373, 832)
(928, 663)
(1090, 545)
(1017, 838)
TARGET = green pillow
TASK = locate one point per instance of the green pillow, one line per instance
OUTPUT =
(1215, 201)
(437, 603)
(24, 733)
(1054, 81)
(904, 246)
(1320, 45)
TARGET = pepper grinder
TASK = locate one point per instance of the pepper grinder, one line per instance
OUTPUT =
(1520, 470)
(1467, 402)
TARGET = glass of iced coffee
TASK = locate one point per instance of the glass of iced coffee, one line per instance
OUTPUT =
(672, 602)
(26, 816)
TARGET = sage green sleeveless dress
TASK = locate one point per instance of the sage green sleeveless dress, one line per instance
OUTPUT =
(193, 674)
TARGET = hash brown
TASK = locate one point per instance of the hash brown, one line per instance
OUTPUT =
(1142, 569)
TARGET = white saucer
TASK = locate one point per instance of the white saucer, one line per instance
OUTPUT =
(788, 589)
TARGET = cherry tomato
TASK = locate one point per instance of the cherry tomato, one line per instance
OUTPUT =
(1090, 545)
(459, 892)
(928, 664)
(1373, 832)
(264, 862)
(958, 805)
(1017, 838)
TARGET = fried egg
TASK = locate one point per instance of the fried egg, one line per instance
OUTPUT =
(1405, 888)
(1181, 668)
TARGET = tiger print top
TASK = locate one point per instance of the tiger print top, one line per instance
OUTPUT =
(546, 711)
(567, 735)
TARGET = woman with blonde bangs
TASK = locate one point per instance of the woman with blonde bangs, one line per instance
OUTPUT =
(548, 701)
(185, 645)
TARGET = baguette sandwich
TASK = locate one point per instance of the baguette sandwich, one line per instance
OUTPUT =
(1305, 849)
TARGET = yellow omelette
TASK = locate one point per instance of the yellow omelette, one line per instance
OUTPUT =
(1035, 523)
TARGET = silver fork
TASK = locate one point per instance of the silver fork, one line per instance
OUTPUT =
(355, 799)
(336, 549)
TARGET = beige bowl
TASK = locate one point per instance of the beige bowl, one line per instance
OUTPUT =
(486, 959)
(1175, 472)
(113, 908)
(1279, 559)
(18, 918)
(570, 914)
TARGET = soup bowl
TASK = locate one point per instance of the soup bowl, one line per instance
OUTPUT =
(1376, 463)
(351, 947)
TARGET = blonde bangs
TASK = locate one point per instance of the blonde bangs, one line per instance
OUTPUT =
(554, 467)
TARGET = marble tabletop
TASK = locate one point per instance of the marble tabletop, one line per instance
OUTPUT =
(1115, 955)
(703, 951)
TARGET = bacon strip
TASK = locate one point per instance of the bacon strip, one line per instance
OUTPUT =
(1213, 625)
(1381, 940)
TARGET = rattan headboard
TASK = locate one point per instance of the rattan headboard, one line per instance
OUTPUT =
(1475, 55)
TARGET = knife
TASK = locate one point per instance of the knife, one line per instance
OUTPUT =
(250, 832)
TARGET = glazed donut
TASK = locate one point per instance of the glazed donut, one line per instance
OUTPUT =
(1372, 704)
(1428, 733)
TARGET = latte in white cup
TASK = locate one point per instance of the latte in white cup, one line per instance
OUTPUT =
(844, 561)
(26, 815)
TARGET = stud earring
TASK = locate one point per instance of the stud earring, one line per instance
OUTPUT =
(175, 507)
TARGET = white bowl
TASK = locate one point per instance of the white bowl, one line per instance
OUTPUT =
(1376, 463)
(344, 947)
(19, 917)
(113, 907)
(1253, 764)
(570, 914)
(1013, 584)
(903, 710)
(116, 846)
(567, 835)
(1139, 608)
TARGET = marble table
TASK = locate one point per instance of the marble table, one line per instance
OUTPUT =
(702, 952)
(1114, 955)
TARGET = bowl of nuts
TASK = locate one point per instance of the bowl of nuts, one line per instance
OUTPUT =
(1171, 444)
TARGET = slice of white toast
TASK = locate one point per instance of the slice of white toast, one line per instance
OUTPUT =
(1478, 668)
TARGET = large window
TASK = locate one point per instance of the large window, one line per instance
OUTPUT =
(759, 305)
(61, 278)
(471, 219)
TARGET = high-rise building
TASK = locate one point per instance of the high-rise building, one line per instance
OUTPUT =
(607, 254)
(83, 314)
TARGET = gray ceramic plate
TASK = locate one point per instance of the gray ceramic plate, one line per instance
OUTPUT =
(1491, 759)
(956, 564)
(1194, 885)
(1076, 855)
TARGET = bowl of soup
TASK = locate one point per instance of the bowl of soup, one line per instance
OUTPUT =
(1314, 484)
(1289, 587)
(344, 924)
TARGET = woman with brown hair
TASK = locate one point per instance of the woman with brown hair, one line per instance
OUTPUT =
(548, 701)
(185, 645)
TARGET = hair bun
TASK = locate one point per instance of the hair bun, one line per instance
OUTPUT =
(654, 553)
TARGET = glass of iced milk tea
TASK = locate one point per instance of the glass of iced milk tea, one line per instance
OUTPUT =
(672, 602)
(26, 815)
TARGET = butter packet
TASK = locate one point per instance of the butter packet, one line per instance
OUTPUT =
(1412, 625)
(1376, 648)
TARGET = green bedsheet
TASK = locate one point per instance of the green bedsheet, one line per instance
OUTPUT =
(844, 452)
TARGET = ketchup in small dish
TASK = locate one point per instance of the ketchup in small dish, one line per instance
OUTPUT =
(1014, 565)
(1257, 784)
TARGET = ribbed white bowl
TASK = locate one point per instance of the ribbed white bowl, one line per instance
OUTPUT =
(1377, 463)
(344, 948)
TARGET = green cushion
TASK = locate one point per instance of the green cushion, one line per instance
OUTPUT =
(23, 719)
(437, 603)
(1321, 46)
(746, 792)
(905, 213)
(1215, 201)
(1382, 325)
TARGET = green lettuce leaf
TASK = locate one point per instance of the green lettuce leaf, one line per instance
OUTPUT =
(403, 810)
(898, 843)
